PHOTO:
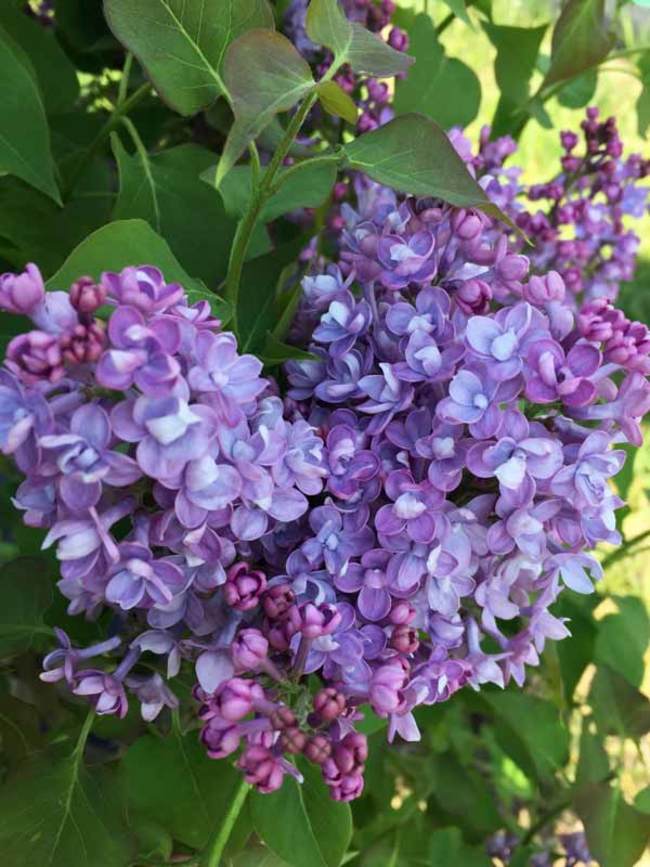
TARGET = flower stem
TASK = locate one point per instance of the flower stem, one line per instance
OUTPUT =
(119, 112)
(258, 199)
(214, 850)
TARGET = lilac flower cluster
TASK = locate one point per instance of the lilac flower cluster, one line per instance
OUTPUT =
(578, 221)
(372, 95)
(469, 414)
(394, 528)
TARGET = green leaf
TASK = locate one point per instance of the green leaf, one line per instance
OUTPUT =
(643, 101)
(443, 88)
(55, 74)
(619, 708)
(276, 352)
(593, 763)
(336, 101)
(26, 589)
(117, 245)
(581, 40)
(182, 43)
(301, 823)
(351, 43)
(327, 25)
(166, 190)
(543, 743)
(172, 782)
(265, 75)
(617, 834)
(42, 231)
(576, 652)
(642, 800)
(256, 314)
(579, 91)
(459, 9)
(413, 155)
(463, 793)
(448, 847)
(517, 50)
(24, 134)
(57, 814)
(305, 187)
(368, 53)
(623, 639)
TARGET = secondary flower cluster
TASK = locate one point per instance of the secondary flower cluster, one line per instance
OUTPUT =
(577, 221)
(372, 95)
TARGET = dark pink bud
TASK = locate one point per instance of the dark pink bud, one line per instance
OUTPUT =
(318, 749)
(347, 788)
(474, 296)
(84, 344)
(218, 741)
(243, 586)
(283, 718)
(404, 639)
(280, 632)
(314, 621)
(293, 740)
(249, 650)
(35, 357)
(512, 267)
(261, 768)
(542, 290)
(466, 224)
(569, 140)
(277, 600)
(235, 698)
(351, 753)
(398, 39)
(329, 703)
(86, 296)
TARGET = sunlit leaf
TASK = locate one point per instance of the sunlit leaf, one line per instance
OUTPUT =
(441, 87)
(182, 43)
(413, 155)
(581, 39)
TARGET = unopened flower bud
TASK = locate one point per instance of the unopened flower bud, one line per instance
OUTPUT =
(277, 600)
(86, 296)
(329, 703)
(318, 749)
(243, 586)
(293, 741)
(404, 639)
(249, 650)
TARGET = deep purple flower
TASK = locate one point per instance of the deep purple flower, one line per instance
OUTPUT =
(137, 579)
(553, 376)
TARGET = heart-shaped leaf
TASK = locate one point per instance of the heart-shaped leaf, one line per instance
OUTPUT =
(264, 75)
(182, 43)
(413, 155)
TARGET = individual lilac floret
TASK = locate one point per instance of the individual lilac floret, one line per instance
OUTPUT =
(22, 293)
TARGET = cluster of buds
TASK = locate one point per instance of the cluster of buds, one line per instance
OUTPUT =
(242, 712)
(70, 332)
